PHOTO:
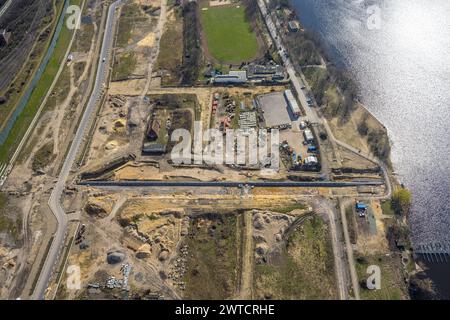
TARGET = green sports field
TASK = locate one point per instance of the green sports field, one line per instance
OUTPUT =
(228, 35)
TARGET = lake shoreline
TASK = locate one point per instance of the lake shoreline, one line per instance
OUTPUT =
(393, 178)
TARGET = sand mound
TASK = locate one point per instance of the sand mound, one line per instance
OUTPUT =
(148, 41)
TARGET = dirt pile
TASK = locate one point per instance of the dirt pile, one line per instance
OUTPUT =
(97, 208)
(269, 228)
(144, 251)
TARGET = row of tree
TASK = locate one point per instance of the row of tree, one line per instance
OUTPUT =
(192, 51)
(251, 9)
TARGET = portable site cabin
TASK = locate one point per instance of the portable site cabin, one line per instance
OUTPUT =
(309, 137)
(360, 206)
(292, 102)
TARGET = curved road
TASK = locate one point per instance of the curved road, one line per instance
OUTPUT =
(5, 7)
(314, 118)
(55, 198)
(311, 113)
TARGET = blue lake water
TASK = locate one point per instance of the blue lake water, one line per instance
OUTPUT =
(399, 53)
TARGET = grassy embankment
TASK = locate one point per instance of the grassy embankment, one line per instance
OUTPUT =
(170, 57)
(391, 280)
(10, 96)
(43, 156)
(125, 62)
(211, 266)
(81, 44)
(386, 207)
(8, 224)
(303, 270)
(229, 36)
(351, 224)
(27, 115)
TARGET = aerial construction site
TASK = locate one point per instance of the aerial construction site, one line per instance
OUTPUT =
(92, 192)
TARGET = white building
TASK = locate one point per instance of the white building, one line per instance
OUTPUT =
(292, 102)
(311, 161)
(237, 76)
(309, 137)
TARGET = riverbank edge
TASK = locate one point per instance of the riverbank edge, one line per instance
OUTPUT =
(419, 270)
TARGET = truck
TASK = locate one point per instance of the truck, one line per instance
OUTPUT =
(312, 149)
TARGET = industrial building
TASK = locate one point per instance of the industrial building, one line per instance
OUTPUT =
(292, 102)
(234, 76)
(5, 37)
(265, 72)
(153, 149)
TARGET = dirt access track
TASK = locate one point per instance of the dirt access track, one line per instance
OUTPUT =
(151, 231)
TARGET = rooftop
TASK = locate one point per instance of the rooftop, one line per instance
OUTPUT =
(257, 70)
(234, 76)
(275, 109)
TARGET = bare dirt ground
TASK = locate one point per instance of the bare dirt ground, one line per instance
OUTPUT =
(150, 230)
(374, 244)
(55, 127)
(113, 138)
(348, 132)
(135, 39)
(246, 283)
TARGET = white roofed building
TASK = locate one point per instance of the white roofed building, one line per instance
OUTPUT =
(292, 102)
(309, 137)
(234, 76)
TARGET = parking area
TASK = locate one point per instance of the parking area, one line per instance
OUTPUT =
(275, 110)
(298, 145)
(294, 139)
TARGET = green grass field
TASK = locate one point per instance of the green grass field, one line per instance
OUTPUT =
(124, 65)
(27, 115)
(228, 34)
(391, 280)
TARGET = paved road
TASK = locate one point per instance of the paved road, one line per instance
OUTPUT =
(55, 198)
(314, 118)
(5, 7)
(311, 113)
(230, 184)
